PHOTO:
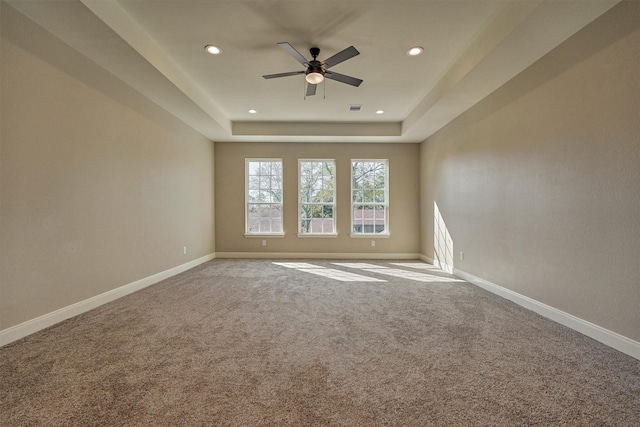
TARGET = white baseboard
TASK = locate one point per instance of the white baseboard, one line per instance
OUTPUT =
(34, 325)
(315, 255)
(426, 259)
(598, 333)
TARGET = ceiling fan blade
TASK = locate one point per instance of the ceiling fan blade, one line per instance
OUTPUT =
(293, 52)
(311, 89)
(290, 73)
(341, 56)
(342, 78)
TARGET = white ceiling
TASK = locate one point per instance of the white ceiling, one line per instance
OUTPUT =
(471, 47)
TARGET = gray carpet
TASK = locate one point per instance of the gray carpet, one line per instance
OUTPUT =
(251, 343)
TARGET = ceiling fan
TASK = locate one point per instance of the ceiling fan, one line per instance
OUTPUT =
(315, 71)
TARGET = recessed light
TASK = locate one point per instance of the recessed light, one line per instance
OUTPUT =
(415, 51)
(252, 111)
(214, 50)
(380, 112)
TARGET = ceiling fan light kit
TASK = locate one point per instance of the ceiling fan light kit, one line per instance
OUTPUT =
(316, 71)
(314, 78)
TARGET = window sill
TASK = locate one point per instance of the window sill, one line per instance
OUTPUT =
(317, 235)
(263, 235)
(370, 235)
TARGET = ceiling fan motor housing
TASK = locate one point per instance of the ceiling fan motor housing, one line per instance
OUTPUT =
(314, 67)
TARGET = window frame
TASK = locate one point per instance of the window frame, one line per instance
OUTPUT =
(334, 233)
(247, 203)
(363, 234)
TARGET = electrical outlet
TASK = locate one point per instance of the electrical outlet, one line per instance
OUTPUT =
(264, 243)
(461, 256)
(373, 243)
(184, 250)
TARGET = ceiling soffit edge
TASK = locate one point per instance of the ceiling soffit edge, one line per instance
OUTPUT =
(390, 129)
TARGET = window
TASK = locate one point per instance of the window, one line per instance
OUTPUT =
(263, 196)
(369, 197)
(317, 196)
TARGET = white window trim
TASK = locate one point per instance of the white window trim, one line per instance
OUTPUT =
(335, 197)
(318, 235)
(387, 232)
(246, 197)
(371, 236)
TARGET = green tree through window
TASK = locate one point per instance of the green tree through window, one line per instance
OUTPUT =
(369, 194)
(264, 196)
(317, 196)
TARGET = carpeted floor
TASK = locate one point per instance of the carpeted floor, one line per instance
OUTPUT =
(252, 343)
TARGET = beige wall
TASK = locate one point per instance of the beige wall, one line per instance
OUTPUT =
(99, 187)
(539, 184)
(403, 198)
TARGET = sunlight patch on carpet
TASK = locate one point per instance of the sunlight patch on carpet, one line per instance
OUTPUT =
(361, 265)
(395, 272)
(417, 265)
(330, 273)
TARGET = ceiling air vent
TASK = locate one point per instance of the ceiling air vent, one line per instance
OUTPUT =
(355, 107)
